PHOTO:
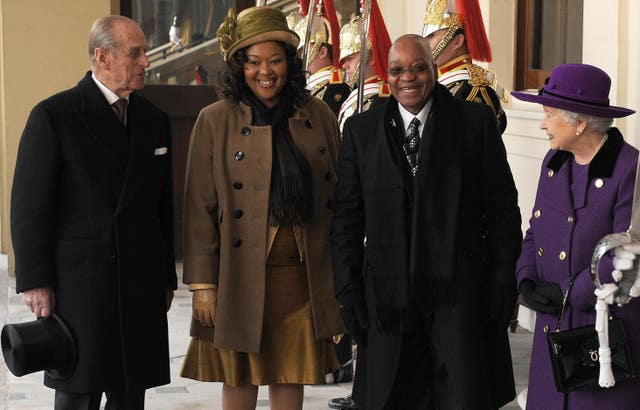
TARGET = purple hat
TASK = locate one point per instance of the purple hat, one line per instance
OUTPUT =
(579, 88)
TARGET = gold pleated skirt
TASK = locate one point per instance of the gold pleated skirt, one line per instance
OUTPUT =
(289, 352)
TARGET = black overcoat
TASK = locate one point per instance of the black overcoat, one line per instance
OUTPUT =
(465, 220)
(92, 217)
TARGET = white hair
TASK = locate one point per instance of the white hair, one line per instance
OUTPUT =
(598, 124)
(102, 35)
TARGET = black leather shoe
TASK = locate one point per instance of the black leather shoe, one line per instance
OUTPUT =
(343, 403)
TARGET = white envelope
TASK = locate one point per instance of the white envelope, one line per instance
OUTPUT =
(160, 151)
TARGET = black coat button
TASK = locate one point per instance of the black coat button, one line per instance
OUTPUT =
(323, 149)
(327, 176)
(329, 204)
(308, 123)
(238, 213)
(237, 185)
(236, 242)
(239, 156)
(245, 131)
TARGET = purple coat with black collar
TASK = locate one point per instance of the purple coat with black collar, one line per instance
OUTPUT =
(563, 232)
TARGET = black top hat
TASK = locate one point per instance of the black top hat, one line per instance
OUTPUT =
(43, 344)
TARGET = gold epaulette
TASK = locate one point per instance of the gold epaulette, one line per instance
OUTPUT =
(481, 77)
(479, 94)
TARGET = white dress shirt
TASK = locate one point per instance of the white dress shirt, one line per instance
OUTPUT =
(110, 96)
(422, 116)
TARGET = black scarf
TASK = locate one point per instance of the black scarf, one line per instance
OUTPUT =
(416, 279)
(290, 195)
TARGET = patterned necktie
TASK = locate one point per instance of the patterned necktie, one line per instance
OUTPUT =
(412, 145)
(121, 108)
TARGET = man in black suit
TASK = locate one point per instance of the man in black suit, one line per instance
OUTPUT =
(425, 235)
(92, 223)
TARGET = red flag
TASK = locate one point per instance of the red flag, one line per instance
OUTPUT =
(474, 31)
(332, 17)
(304, 7)
(380, 40)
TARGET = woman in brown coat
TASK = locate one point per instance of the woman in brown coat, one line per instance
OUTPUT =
(259, 186)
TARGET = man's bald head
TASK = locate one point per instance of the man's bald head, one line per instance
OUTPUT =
(418, 39)
(411, 72)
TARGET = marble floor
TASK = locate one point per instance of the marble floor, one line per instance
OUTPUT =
(27, 392)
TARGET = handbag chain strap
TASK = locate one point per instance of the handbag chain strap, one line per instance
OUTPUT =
(565, 298)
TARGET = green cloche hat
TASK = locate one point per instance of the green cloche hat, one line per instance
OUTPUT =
(251, 26)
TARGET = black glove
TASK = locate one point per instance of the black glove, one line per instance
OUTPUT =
(538, 296)
(353, 310)
(551, 291)
(503, 303)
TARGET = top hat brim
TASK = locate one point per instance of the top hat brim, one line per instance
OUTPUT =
(609, 111)
(20, 346)
(66, 371)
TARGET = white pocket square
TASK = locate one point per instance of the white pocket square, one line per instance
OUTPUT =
(160, 151)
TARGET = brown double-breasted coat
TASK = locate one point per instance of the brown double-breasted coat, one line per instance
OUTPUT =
(226, 217)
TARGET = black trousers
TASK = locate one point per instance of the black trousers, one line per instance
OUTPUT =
(344, 350)
(133, 400)
(413, 387)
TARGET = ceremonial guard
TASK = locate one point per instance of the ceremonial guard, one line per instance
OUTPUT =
(372, 76)
(456, 34)
(320, 53)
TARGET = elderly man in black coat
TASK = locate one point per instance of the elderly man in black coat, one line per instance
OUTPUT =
(425, 235)
(92, 223)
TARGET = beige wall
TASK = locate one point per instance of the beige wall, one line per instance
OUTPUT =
(3, 141)
(402, 17)
(628, 83)
(503, 40)
(43, 49)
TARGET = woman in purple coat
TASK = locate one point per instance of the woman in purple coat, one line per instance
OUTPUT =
(584, 192)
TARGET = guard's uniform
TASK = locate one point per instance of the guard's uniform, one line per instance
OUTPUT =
(472, 82)
(375, 91)
(324, 84)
